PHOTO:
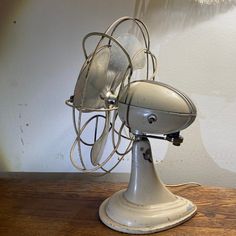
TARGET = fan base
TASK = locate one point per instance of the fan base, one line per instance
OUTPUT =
(121, 215)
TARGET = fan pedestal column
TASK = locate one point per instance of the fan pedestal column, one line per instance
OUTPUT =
(146, 206)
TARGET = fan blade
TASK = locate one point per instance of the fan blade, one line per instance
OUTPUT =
(135, 50)
(119, 63)
(92, 81)
(98, 147)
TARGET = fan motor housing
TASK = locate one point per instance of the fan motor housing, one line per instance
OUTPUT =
(155, 108)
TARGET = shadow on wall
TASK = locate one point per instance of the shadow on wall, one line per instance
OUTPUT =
(8, 11)
(3, 164)
(192, 162)
(171, 16)
(165, 18)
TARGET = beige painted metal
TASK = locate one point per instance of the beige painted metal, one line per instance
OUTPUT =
(145, 107)
(146, 206)
(170, 110)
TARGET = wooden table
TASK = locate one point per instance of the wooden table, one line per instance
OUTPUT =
(67, 204)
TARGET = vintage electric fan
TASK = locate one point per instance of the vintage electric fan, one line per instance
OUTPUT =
(115, 103)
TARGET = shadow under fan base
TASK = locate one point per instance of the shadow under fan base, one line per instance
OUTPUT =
(165, 215)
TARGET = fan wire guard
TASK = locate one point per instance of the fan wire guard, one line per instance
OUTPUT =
(105, 113)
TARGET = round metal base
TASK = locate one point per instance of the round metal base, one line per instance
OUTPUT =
(119, 214)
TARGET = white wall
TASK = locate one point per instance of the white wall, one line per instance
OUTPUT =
(40, 58)
(197, 51)
(41, 55)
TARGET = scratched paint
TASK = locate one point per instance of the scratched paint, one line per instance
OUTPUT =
(22, 108)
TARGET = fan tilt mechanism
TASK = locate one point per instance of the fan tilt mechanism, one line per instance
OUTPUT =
(110, 95)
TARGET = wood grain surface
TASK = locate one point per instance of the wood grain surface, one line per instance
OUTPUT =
(67, 204)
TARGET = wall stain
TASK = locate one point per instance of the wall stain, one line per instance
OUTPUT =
(22, 106)
(22, 141)
(60, 156)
